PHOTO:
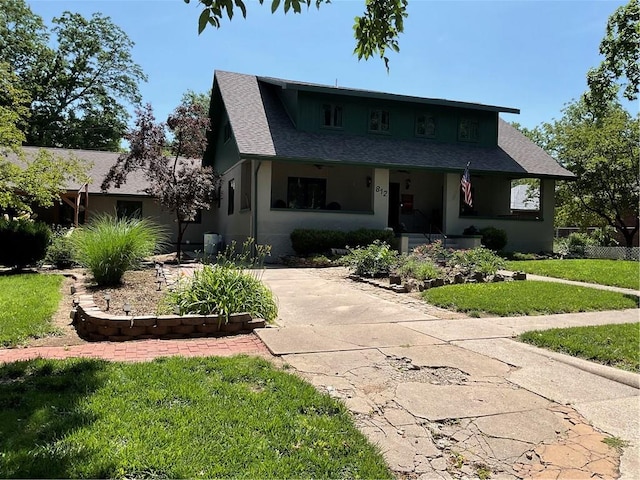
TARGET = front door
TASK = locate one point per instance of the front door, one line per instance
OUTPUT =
(394, 206)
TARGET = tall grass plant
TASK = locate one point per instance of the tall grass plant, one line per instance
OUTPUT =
(109, 246)
(222, 290)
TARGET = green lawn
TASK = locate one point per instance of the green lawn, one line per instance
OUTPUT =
(525, 298)
(174, 418)
(27, 303)
(614, 345)
(617, 273)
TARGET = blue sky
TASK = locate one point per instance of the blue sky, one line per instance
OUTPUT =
(532, 55)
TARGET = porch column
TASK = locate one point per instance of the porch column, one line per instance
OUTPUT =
(451, 204)
(380, 192)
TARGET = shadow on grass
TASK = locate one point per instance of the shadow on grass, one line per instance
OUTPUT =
(40, 404)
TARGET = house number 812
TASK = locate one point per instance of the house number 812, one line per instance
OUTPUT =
(381, 191)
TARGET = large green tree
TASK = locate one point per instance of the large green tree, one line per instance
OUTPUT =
(376, 30)
(13, 110)
(620, 68)
(79, 82)
(602, 147)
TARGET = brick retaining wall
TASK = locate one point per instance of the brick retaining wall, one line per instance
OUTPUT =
(94, 325)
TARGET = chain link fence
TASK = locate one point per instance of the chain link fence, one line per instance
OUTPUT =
(613, 253)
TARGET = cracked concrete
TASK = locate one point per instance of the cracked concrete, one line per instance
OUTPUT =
(456, 398)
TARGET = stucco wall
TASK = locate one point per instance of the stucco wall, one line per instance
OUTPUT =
(523, 235)
(193, 237)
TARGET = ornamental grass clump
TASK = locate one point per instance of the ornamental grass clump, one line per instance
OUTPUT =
(222, 290)
(109, 246)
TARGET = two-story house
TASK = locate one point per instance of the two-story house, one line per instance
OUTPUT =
(299, 155)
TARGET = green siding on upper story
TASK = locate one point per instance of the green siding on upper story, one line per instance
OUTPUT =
(402, 118)
(226, 149)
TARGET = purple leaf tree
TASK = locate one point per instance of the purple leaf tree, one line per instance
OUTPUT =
(173, 167)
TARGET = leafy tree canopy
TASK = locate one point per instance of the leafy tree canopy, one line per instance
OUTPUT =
(376, 31)
(603, 151)
(78, 84)
(37, 181)
(621, 64)
(13, 110)
(173, 168)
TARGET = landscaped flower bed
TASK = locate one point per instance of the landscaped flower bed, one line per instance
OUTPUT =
(428, 266)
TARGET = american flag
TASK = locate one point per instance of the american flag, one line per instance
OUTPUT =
(465, 182)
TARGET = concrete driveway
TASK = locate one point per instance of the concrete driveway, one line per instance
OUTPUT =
(458, 397)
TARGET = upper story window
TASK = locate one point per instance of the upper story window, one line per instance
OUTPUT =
(425, 125)
(379, 121)
(468, 129)
(331, 115)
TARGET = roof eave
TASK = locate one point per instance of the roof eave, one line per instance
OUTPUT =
(386, 96)
(324, 161)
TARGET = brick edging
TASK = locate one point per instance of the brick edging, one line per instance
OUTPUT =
(94, 325)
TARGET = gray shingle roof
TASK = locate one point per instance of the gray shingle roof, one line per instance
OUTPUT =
(262, 128)
(100, 164)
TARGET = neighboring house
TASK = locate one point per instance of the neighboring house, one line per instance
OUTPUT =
(525, 200)
(299, 155)
(80, 202)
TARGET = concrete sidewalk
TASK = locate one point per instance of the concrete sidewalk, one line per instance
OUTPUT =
(457, 397)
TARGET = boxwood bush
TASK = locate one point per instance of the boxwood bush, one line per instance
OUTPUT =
(307, 241)
(24, 242)
(494, 238)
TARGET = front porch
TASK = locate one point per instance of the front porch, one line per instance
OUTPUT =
(421, 206)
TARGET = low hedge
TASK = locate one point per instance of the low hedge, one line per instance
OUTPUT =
(24, 242)
(306, 241)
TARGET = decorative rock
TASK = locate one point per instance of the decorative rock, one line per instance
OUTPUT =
(395, 279)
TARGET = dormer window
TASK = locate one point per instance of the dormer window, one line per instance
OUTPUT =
(332, 115)
(425, 125)
(379, 121)
(468, 129)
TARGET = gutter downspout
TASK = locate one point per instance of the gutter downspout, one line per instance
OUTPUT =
(255, 204)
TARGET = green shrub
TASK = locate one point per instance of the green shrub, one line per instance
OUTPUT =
(307, 241)
(577, 241)
(374, 260)
(477, 260)
(24, 242)
(420, 269)
(493, 238)
(520, 256)
(223, 290)
(60, 252)
(110, 246)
